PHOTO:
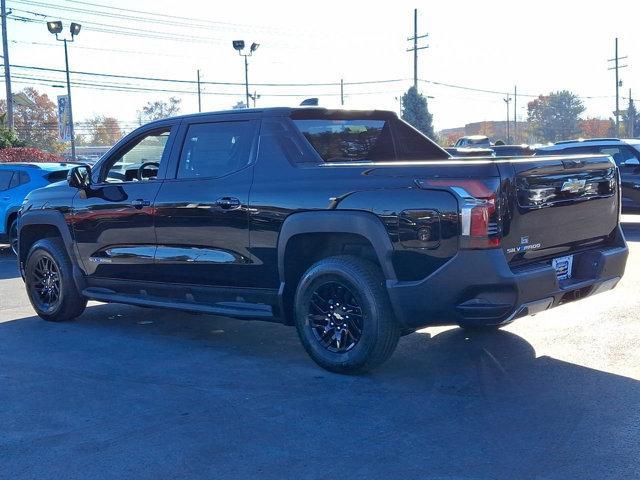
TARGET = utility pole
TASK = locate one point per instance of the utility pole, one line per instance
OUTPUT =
(199, 99)
(415, 47)
(507, 100)
(342, 91)
(630, 119)
(515, 114)
(7, 68)
(617, 67)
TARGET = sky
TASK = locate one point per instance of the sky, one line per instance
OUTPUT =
(538, 46)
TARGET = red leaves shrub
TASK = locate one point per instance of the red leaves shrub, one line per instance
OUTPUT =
(27, 154)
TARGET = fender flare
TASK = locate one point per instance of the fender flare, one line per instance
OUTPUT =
(55, 219)
(365, 224)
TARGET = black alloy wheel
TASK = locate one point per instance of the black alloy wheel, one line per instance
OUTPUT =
(45, 283)
(335, 317)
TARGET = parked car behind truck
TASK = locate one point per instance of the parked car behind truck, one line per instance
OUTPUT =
(16, 181)
(350, 225)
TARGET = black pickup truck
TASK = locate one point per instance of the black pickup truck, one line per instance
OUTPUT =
(350, 225)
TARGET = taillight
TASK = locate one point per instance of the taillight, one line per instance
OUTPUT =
(478, 209)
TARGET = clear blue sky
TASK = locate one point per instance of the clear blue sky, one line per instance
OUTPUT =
(538, 46)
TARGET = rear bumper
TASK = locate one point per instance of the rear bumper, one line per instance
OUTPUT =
(477, 287)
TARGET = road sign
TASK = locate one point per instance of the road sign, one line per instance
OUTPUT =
(64, 124)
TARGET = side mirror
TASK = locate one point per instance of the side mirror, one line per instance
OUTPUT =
(632, 162)
(79, 177)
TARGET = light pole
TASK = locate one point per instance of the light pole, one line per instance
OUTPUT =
(239, 46)
(55, 28)
(506, 101)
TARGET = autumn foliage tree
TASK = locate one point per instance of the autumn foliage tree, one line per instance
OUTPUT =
(36, 123)
(594, 128)
(102, 131)
(555, 116)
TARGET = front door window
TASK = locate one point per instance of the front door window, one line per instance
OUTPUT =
(139, 161)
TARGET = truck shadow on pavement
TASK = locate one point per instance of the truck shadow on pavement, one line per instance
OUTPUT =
(158, 394)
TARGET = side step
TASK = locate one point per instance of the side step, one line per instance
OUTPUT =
(226, 309)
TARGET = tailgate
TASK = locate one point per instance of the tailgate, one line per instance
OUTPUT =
(558, 205)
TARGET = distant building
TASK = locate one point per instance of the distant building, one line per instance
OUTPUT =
(88, 153)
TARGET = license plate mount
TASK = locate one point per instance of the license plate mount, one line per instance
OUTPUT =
(563, 266)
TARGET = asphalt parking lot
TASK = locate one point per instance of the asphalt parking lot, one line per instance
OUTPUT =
(125, 392)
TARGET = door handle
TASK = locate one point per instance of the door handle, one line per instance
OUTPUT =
(228, 203)
(139, 203)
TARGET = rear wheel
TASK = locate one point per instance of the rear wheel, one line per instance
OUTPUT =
(13, 236)
(49, 281)
(343, 315)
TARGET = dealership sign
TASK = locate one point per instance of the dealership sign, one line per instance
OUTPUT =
(64, 118)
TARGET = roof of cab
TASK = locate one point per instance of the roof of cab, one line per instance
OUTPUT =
(280, 111)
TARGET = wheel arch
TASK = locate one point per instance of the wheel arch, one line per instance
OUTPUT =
(315, 235)
(36, 225)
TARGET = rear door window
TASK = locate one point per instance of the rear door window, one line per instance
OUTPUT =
(15, 180)
(5, 179)
(216, 149)
(24, 178)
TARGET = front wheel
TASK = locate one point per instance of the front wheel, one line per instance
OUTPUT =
(343, 315)
(49, 281)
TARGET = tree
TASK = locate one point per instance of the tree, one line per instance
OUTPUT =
(159, 109)
(594, 128)
(8, 138)
(416, 112)
(631, 120)
(555, 116)
(36, 123)
(102, 131)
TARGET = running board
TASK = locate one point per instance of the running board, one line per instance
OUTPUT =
(226, 309)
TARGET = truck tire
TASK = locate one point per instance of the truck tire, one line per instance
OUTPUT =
(343, 315)
(49, 281)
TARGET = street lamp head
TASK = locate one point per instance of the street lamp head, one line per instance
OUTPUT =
(254, 47)
(238, 45)
(55, 27)
(74, 28)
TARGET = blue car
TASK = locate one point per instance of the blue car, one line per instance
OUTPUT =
(16, 181)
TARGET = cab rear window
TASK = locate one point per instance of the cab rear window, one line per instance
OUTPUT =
(5, 179)
(348, 140)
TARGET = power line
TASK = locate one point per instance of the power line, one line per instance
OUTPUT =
(125, 87)
(194, 82)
